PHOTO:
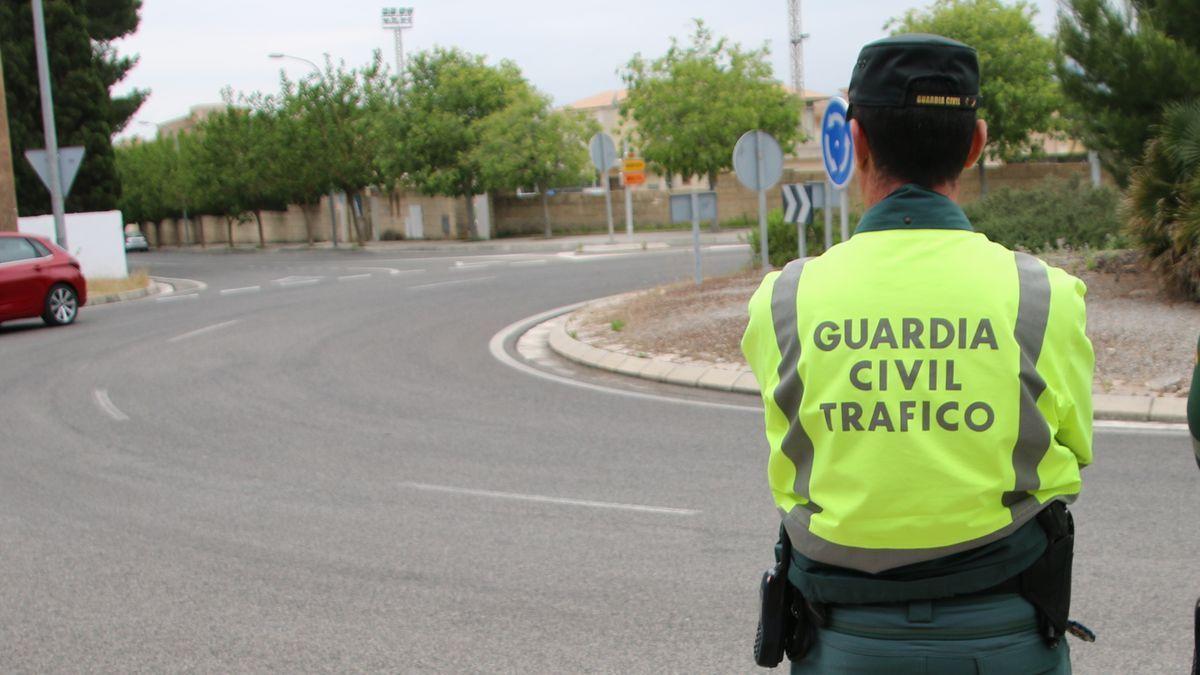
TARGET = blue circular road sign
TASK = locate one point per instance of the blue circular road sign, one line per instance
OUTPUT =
(836, 145)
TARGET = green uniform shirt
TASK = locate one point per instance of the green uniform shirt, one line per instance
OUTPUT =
(960, 570)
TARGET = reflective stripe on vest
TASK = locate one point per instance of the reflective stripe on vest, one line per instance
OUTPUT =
(1033, 434)
(797, 446)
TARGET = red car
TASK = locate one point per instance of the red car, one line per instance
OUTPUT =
(37, 278)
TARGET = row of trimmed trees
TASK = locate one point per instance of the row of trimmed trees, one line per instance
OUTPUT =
(453, 126)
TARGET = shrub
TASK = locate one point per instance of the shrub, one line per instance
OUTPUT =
(1056, 213)
(1163, 202)
(782, 246)
(391, 235)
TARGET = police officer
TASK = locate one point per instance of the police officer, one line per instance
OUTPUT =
(927, 400)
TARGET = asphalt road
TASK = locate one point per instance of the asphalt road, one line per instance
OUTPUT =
(316, 463)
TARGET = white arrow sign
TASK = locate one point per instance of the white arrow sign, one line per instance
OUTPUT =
(69, 159)
(797, 206)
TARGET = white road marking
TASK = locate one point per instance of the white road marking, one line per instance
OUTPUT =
(528, 263)
(496, 347)
(202, 331)
(726, 247)
(454, 282)
(297, 281)
(106, 404)
(241, 290)
(392, 271)
(542, 499)
(460, 265)
(353, 277)
(173, 298)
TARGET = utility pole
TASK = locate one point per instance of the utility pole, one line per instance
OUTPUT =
(52, 163)
(796, 37)
(8, 183)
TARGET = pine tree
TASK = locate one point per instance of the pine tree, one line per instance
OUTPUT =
(83, 68)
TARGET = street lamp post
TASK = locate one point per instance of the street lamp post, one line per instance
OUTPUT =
(325, 137)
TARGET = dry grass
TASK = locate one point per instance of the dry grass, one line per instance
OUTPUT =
(137, 279)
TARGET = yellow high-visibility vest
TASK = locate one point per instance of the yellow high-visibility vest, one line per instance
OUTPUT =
(925, 390)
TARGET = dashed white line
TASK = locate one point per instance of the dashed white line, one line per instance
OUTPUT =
(175, 298)
(287, 282)
(202, 331)
(543, 499)
(462, 266)
(392, 271)
(454, 282)
(528, 263)
(106, 404)
(353, 277)
(241, 290)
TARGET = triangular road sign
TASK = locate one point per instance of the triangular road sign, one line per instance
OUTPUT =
(69, 159)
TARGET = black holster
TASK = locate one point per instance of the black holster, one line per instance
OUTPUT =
(1046, 584)
(786, 621)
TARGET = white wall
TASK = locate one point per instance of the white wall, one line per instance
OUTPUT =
(97, 240)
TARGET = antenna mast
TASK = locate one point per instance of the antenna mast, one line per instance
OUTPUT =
(796, 36)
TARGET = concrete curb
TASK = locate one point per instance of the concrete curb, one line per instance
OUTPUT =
(724, 377)
(151, 288)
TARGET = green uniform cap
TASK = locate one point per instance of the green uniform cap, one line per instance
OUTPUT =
(889, 73)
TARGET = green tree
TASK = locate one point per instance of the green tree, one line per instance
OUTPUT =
(692, 104)
(1118, 68)
(528, 144)
(139, 166)
(1019, 94)
(84, 65)
(234, 173)
(1163, 201)
(430, 143)
(301, 145)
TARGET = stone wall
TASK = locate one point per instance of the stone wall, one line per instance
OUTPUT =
(385, 214)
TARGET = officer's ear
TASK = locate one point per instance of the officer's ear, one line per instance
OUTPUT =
(862, 148)
(978, 142)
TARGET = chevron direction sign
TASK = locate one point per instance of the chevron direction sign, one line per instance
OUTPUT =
(797, 204)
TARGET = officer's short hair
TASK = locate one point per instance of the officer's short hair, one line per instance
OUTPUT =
(923, 145)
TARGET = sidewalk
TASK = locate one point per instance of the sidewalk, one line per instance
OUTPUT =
(739, 379)
(582, 244)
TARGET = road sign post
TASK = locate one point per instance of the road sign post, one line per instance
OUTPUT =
(633, 170)
(694, 207)
(837, 150)
(604, 155)
(51, 133)
(758, 163)
(844, 207)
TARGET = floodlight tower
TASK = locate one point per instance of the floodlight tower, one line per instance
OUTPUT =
(397, 19)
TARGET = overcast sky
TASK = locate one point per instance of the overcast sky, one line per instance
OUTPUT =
(569, 49)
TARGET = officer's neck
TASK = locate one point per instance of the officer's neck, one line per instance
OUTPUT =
(876, 188)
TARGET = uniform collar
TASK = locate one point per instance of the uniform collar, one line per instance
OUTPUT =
(912, 207)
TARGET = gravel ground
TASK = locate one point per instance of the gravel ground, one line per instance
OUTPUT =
(1144, 340)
